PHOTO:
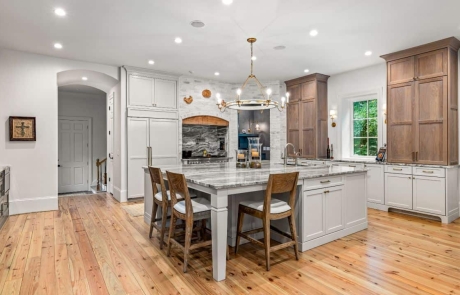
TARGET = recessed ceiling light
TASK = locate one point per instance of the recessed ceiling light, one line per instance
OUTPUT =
(151, 62)
(84, 78)
(306, 70)
(217, 73)
(280, 47)
(178, 40)
(60, 12)
(368, 53)
(227, 2)
(254, 58)
(313, 33)
(197, 24)
(58, 45)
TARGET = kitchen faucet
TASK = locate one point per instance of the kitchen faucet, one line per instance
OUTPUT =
(285, 152)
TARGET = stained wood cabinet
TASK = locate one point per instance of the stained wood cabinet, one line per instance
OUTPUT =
(422, 104)
(307, 115)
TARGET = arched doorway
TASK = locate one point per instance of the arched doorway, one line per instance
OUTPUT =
(85, 131)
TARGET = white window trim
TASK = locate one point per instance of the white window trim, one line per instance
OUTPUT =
(346, 136)
(350, 110)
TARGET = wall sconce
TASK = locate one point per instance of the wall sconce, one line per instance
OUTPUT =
(384, 108)
(333, 115)
(257, 127)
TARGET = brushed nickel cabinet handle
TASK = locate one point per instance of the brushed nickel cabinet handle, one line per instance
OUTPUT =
(352, 166)
(397, 169)
(325, 181)
(326, 192)
(428, 171)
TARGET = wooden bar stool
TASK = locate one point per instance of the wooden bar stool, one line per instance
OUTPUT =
(271, 209)
(161, 199)
(188, 210)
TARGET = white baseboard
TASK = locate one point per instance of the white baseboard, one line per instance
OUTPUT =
(377, 206)
(331, 237)
(120, 195)
(33, 205)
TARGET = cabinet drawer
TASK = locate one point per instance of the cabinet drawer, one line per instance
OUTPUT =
(425, 171)
(398, 169)
(317, 183)
(351, 165)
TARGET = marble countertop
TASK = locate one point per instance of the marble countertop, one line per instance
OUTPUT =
(363, 161)
(226, 175)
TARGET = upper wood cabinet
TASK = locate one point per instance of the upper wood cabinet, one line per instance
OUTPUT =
(151, 90)
(307, 115)
(422, 104)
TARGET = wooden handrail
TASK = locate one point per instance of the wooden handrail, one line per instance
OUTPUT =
(99, 163)
(100, 175)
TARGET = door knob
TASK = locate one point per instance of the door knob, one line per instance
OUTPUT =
(59, 166)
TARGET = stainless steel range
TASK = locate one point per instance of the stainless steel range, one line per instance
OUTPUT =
(4, 194)
(204, 160)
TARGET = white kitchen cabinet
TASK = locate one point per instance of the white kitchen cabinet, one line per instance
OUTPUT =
(323, 212)
(313, 214)
(398, 190)
(162, 135)
(165, 94)
(429, 194)
(151, 90)
(334, 204)
(141, 91)
(375, 183)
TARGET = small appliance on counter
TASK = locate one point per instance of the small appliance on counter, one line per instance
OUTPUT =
(4, 194)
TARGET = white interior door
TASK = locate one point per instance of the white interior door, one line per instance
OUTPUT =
(110, 145)
(138, 136)
(73, 156)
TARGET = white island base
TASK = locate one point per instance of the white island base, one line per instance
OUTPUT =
(327, 208)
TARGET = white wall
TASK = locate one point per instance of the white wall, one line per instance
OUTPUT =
(349, 84)
(28, 84)
(91, 106)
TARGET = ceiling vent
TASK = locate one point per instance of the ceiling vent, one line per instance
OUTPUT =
(197, 24)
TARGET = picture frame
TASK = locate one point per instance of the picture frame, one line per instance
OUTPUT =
(381, 154)
(22, 128)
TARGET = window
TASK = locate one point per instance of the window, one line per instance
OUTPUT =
(365, 135)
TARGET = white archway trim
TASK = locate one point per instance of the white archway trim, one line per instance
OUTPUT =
(97, 80)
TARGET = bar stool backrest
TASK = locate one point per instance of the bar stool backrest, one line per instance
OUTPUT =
(278, 184)
(178, 186)
(157, 180)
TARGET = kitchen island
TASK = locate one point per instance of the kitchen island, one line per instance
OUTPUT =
(330, 203)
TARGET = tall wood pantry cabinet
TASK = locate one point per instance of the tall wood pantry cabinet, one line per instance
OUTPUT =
(307, 115)
(422, 104)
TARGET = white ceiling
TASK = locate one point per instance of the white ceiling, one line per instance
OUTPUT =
(82, 89)
(120, 32)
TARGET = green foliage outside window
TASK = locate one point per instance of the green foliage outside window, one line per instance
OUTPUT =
(365, 128)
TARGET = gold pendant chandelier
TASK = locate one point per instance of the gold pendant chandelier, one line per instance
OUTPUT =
(252, 104)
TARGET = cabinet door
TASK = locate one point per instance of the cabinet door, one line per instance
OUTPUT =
(431, 64)
(431, 121)
(430, 194)
(398, 190)
(138, 141)
(334, 205)
(164, 140)
(313, 215)
(400, 127)
(375, 184)
(309, 90)
(294, 92)
(293, 133)
(165, 94)
(401, 70)
(307, 127)
(140, 91)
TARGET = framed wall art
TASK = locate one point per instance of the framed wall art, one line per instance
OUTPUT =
(23, 129)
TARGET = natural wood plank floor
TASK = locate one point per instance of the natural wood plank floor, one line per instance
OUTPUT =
(92, 246)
